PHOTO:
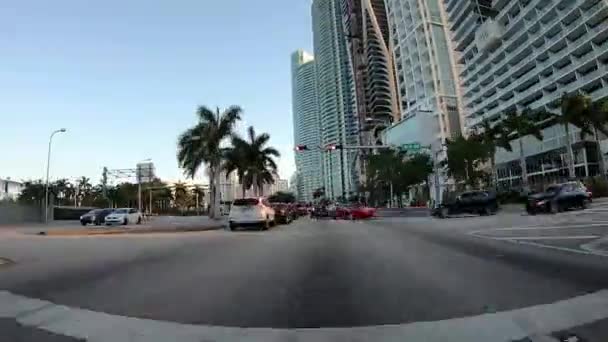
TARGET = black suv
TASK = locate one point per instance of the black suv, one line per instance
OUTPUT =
(95, 216)
(559, 197)
(471, 202)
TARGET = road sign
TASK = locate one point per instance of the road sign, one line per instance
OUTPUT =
(411, 146)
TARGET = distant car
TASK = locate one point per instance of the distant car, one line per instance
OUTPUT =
(123, 216)
(471, 202)
(320, 210)
(559, 197)
(95, 216)
(251, 212)
(283, 213)
(359, 212)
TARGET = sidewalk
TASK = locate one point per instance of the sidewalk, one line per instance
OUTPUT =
(158, 224)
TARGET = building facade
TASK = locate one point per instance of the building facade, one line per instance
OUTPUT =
(306, 123)
(425, 66)
(370, 51)
(515, 55)
(10, 189)
(336, 96)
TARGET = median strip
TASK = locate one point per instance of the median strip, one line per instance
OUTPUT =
(125, 231)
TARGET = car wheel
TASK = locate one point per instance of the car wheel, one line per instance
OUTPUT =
(553, 208)
(125, 222)
(83, 223)
(265, 225)
(585, 203)
(139, 220)
(444, 212)
(232, 226)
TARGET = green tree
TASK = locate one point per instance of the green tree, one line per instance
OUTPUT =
(574, 111)
(515, 126)
(465, 155)
(257, 159)
(493, 136)
(282, 197)
(32, 193)
(201, 144)
(596, 116)
(234, 161)
(181, 196)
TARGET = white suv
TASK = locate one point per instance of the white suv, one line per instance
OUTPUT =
(247, 212)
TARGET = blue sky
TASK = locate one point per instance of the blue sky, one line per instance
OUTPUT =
(125, 78)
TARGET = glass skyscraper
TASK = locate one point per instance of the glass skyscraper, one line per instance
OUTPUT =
(306, 124)
(336, 94)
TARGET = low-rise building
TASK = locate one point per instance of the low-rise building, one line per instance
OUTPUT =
(10, 189)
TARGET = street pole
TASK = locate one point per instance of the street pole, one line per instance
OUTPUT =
(391, 194)
(197, 209)
(342, 175)
(48, 164)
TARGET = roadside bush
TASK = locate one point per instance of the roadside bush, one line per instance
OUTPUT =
(598, 186)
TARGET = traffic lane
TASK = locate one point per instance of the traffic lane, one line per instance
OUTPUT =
(563, 231)
(563, 265)
(309, 274)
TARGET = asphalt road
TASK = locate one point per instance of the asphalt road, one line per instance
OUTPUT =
(387, 273)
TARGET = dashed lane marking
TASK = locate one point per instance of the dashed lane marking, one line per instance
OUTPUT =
(565, 237)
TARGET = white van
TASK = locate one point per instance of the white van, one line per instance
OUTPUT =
(251, 212)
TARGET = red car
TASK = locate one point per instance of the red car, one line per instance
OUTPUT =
(357, 212)
(362, 212)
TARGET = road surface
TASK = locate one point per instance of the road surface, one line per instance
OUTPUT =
(470, 278)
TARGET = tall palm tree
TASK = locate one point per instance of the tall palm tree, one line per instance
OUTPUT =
(597, 118)
(201, 144)
(234, 161)
(84, 188)
(573, 110)
(517, 126)
(257, 163)
(493, 136)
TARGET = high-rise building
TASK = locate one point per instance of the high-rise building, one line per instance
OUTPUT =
(306, 123)
(370, 50)
(426, 70)
(525, 54)
(337, 101)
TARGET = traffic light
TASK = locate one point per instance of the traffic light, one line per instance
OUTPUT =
(333, 147)
(301, 148)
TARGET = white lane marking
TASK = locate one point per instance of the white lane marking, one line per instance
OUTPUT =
(540, 227)
(536, 244)
(565, 237)
(497, 327)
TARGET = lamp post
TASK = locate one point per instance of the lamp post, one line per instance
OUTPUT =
(48, 164)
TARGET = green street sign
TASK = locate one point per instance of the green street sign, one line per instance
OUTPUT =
(411, 146)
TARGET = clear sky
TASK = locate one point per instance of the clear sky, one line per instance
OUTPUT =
(125, 77)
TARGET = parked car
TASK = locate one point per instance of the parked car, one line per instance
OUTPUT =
(95, 216)
(559, 197)
(471, 202)
(123, 216)
(320, 210)
(251, 212)
(283, 213)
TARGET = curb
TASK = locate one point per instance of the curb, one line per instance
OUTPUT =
(125, 231)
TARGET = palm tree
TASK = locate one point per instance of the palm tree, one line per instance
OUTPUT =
(597, 117)
(574, 108)
(84, 188)
(234, 161)
(517, 126)
(257, 165)
(493, 136)
(201, 144)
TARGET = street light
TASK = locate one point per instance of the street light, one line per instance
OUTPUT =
(48, 164)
